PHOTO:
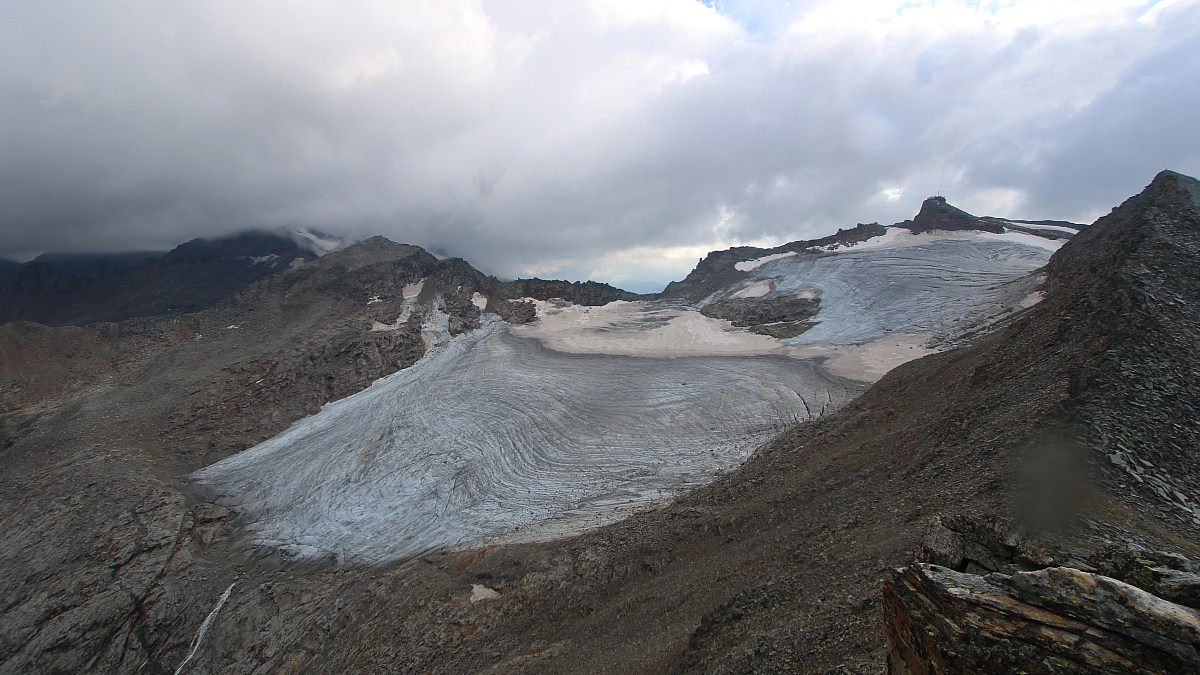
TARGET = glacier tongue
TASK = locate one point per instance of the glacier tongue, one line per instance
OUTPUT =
(493, 432)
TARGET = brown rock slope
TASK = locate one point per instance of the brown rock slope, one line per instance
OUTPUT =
(1075, 424)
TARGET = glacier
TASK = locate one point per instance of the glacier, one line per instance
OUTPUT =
(590, 412)
(494, 432)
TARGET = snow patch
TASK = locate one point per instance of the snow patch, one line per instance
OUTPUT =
(640, 328)
(1031, 299)
(479, 300)
(755, 290)
(1023, 238)
(869, 361)
(1036, 226)
(406, 311)
(749, 265)
(412, 290)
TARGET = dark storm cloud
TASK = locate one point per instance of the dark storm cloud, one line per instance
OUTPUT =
(615, 139)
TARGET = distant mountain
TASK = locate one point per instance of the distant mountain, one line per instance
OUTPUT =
(72, 264)
(73, 289)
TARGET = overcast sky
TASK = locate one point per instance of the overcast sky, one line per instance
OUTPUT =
(617, 140)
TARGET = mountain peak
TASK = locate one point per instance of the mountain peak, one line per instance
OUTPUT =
(938, 214)
(1172, 182)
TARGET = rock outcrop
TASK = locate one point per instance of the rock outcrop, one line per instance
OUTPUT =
(937, 214)
(979, 546)
(1055, 620)
(778, 315)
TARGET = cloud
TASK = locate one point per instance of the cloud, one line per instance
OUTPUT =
(606, 139)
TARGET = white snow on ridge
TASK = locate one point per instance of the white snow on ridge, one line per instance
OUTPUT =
(748, 265)
(1053, 228)
(900, 237)
(755, 290)
(1025, 239)
(894, 237)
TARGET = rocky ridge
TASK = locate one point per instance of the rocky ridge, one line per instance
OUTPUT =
(1124, 285)
(74, 290)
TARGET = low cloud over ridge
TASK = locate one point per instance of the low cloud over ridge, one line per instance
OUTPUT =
(606, 139)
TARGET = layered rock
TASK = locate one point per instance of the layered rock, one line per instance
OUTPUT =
(1055, 620)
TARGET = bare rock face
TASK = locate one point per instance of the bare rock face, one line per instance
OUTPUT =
(1167, 575)
(979, 546)
(780, 316)
(1055, 620)
(937, 214)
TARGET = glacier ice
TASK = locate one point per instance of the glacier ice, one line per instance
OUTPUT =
(493, 432)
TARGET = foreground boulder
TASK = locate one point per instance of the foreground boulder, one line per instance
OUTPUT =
(1055, 620)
